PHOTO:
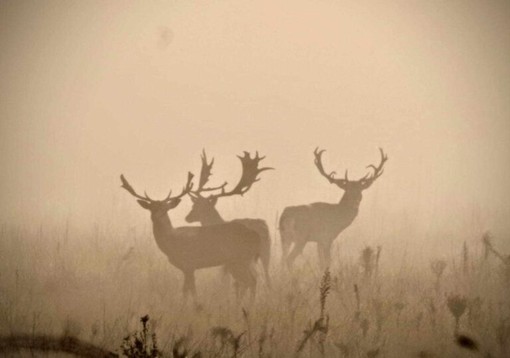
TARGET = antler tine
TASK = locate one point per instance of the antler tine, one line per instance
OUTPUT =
(205, 173)
(249, 176)
(258, 157)
(185, 190)
(129, 188)
(365, 177)
(147, 196)
(320, 167)
(378, 170)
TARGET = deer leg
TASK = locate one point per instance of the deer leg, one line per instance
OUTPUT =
(251, 280)
(266, 275)
(287, 234)
(189, 284)
(296, 250)
(185, 286)
(320, 253)
(239, 290)
(286, 243)
(193, 288)
(234, 271)
(245, 278)
(324, 251)
(265, 257)
(225, 277)
(253, 287)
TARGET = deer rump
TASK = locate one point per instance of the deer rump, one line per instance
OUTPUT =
(262, 230)
(308, 222)
(227, 244)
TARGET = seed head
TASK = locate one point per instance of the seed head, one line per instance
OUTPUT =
(457, 305)
(438, 267)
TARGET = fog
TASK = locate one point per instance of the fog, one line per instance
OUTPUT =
(90, 90)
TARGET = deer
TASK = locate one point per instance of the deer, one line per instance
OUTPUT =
(191, 248)
(322, 222)
(204, 207)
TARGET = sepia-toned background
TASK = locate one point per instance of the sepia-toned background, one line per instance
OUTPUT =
(93, 89)
(90, 90)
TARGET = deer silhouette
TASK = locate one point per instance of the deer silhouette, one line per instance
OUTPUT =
(204, 207)
(323, 222)
(191, 248)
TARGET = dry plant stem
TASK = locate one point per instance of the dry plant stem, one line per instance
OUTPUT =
(246, 317)
(358, 302)
(325, 288)
(457, 306)
(321, 325)
(465, 258)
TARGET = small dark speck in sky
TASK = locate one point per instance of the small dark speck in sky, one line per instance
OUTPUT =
(165, 37)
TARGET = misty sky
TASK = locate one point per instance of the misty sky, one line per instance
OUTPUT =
(92, 89)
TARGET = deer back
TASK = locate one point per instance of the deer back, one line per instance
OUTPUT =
(215, 245)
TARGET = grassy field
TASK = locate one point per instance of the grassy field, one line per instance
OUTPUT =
(96, 286)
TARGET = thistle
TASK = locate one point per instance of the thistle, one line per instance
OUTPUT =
(457, 305)
(141, 344)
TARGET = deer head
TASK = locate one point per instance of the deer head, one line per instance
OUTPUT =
(352, 188)
(158, 207)
(204, 206)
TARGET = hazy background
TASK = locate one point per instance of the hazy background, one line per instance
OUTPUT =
(92, 89)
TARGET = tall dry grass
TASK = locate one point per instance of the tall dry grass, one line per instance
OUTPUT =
(94, 287)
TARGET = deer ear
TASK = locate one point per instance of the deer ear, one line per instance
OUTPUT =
(172, 204)
(193, 199)
(213, 200)
(143, 204)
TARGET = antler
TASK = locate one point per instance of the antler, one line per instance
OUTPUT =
(132, 191)
(187, 188)
(318, 163)
(205, 173)
(249, 176)
(366, 181)
(378, 171)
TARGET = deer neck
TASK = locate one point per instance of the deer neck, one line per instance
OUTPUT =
(213, 217)
(350, 200)
(163, 230)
